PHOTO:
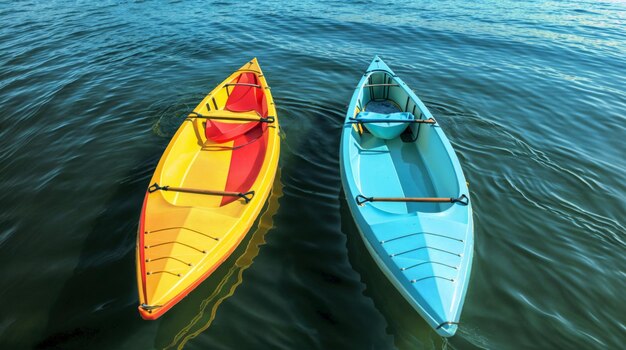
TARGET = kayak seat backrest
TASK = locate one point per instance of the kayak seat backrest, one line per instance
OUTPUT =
(243, 98)
(246, 160)
(249, 97)
(221, 132)
(385, 130)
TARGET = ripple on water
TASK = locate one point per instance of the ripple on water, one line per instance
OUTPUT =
(531, 98)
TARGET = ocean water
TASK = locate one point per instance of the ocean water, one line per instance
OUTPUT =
(531, 94)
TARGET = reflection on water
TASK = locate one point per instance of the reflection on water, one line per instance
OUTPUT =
(531, 97)
(407, 326)
(228, 280)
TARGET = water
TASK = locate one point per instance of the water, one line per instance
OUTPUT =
(531, 95)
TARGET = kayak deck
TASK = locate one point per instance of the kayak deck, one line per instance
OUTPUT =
(424, 248)
(399, 168)
(193, 215)
(397, 164)
(229, 166)
(194, 163)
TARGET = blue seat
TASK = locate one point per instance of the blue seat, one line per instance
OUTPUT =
(385, 130)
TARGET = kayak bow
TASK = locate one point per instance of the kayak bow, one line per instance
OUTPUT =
(407, 194)
(207, 190)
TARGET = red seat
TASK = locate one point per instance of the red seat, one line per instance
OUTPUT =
(224, 132)
(246, 160)
(249, 139)
(243, 98)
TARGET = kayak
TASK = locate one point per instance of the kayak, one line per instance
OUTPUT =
(408, 196)
(210, 185)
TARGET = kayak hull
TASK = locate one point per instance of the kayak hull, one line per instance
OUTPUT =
(184, 232)
(424, 248)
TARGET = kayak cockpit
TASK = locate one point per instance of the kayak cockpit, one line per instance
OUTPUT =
(398, 159)
(407, 194)
(227, 133)
(207, 190)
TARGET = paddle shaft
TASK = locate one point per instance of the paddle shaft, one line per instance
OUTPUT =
(207, 192)
(365, 121)
(156, 187)
(244, 84)
(374, 85)
(417, 199)
(269, 119)
(361, 199)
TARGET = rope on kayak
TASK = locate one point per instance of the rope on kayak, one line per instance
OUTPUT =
(168, 272)
(244, 84)
(447, 323)
(268, 119)
(463, 200)
(150, 307)
(169, 257)
(380, 70)
(427, 277)
(246, 196)
(175, 242)
(420, 233)
(182, 228)
(424, 247)
(427, 262)
(368, 85)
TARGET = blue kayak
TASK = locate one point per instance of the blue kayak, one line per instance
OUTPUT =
(408, 196)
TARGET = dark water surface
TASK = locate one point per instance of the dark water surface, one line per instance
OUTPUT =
(531, 94)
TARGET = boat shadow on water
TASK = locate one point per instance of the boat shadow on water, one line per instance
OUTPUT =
(406, 326)
(97, 307)
(198, 310)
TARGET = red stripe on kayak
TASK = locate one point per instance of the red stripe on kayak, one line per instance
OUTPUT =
(243, 98)
(246, 161)
(141, 246)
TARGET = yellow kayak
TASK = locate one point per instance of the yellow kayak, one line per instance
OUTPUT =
(207, 190)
